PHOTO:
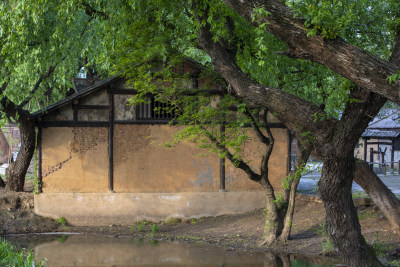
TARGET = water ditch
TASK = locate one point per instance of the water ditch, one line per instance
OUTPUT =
(99, 250)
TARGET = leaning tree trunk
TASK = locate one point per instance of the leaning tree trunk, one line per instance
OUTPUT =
(387, 202)
(17, 170)
(303, 154)
(341, 216)
(273, 220)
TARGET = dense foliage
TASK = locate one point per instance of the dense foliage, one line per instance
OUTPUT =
(10, 256)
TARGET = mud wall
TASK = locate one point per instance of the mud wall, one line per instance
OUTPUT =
(75, 159)
(142, 164)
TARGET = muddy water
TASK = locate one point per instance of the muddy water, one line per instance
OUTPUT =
(84, 250)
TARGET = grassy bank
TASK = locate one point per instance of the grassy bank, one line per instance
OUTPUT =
(10, 256)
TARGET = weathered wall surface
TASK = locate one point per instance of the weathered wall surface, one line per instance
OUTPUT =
(75, 159)
(126, 208)
(236, 179)
(142, 164)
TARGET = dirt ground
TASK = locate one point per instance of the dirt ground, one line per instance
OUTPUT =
(233, 232)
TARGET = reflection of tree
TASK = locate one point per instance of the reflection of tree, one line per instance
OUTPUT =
(275, 260)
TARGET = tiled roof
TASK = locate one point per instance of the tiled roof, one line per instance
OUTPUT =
(380, 133)
(390, 120)
(86, 91)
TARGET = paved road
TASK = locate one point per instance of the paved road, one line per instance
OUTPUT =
(308, 183)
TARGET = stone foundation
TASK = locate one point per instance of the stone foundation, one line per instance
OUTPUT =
(99, 209)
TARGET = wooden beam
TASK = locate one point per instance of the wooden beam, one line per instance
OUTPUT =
(144, 122)
(39, 159)
(111, 143)
(90, 107)
(73, 124)
(378, 143)
(122, 91)
(222, 160)
(289, 149)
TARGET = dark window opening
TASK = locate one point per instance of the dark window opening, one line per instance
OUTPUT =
(154, 110)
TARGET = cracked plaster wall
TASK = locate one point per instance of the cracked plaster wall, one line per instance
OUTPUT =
(75, 159)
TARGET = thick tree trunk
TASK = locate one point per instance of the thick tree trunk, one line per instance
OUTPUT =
(387, 202)
(341, 216)
(17, 170)
(273, 221)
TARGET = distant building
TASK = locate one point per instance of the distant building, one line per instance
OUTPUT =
(380, 143)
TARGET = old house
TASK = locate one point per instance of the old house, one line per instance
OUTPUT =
(100, 162)
(380, 142)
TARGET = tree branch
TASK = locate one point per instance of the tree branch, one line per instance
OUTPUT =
(237, 162)
(91, 12)
(257, 129)
(289, 107)
(37, 85)
(362, 68)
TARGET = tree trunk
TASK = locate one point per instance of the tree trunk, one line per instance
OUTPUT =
(17, 170)
(273, 220)
(342, 222)
(5, 148)
(303, 154)
(2, 183)
(387, 202)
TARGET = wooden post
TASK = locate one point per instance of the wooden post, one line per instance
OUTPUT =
(75, 111)
(365, 149)
(111, 143)
(371, 156)
(392, 159)
(222, 160)
(289, 162)
(39, 159)
(383, 161)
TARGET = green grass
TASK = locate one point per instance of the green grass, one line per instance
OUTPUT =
(10, 256)
(327, 244)
(155, 228)
(62, 221)
(173, 220)
(140, 225)
(360, 194)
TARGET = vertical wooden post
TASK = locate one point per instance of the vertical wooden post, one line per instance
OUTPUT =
(111, 142)
(222, 160)
(392, 158)
(39, 158)
(371, 155)
(289, 161)
(365, 149)
(75, 111)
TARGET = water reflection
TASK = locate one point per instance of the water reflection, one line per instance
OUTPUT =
(87, 250)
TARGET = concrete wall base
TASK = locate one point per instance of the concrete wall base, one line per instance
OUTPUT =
(99, 209)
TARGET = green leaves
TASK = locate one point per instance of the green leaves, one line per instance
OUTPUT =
(37, 37)
(395, 76)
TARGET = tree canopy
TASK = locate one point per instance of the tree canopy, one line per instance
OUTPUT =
(306, 61)
(323, 67)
